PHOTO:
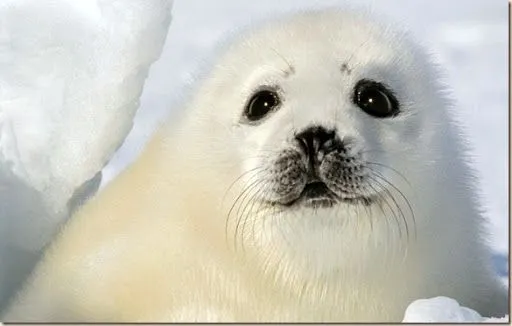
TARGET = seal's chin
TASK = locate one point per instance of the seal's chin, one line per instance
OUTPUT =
(318, 195)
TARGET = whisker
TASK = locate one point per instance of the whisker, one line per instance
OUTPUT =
(261, 211)
(254, 170)
(367, 210)
(239, 217)
(246, 188)
(380, 201)
(381, 177)
(390, 168)
(250, 202)
(400, 212)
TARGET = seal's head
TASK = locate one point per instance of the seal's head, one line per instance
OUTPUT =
(329, 115)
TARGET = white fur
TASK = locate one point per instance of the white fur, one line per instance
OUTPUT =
(155, 247)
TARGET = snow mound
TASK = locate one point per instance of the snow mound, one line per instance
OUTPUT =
(444, 310)
(71, 74)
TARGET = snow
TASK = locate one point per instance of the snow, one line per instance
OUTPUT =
(445, 310)
(71, 76)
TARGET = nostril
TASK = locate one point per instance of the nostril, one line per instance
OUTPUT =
(303, 144)
(329, 146)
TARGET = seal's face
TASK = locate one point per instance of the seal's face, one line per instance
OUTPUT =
(329, 114)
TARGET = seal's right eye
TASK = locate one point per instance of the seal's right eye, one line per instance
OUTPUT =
(261, 104)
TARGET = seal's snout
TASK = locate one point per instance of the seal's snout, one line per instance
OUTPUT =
(320, 171)
(316, 142)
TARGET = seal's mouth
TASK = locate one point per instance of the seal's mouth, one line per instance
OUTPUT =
(317, 195)
(316, 190)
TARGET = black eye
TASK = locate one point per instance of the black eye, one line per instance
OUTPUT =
(375, 99)
(261, 104)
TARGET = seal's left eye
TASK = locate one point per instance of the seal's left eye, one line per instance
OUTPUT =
(261, 104)
(375, 99)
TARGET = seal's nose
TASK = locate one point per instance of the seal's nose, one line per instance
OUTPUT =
(317, 141)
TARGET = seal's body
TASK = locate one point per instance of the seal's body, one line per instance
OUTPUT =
(316, 176)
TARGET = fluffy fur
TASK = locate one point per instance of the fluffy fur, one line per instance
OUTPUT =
(187, 233)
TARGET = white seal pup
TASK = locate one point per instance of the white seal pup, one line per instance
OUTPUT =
(316, 176)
